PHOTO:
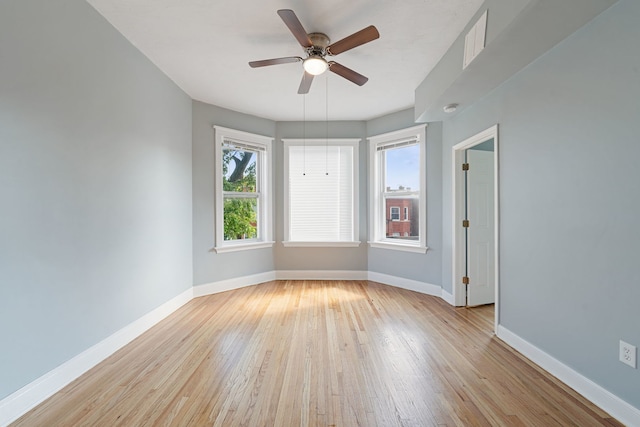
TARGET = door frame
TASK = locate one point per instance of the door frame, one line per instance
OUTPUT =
(458, 242)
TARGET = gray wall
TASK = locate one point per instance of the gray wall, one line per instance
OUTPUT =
(421, 267)
(569, 199)
(209, 266)
(95, 185)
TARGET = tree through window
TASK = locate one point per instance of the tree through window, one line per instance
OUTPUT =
(239, 184)
(242, 190)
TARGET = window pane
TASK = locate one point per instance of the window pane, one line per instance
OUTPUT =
(402, 168)
(240, 218)
(239, 170)
(407, 227)
(402, 174)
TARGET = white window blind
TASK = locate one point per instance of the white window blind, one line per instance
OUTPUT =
(321, 193)
(242, 145)
(396, 144)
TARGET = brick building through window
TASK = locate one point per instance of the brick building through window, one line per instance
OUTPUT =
(400, 221)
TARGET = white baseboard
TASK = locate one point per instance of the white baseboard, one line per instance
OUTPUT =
(616, 407)
(399, 282)
(321, 275)
(231, 284)
(448, 297)
(409, 284)
(20, 402)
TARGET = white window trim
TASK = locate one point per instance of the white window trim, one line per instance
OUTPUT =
(377, 238)
(355, 143)
(265, 228)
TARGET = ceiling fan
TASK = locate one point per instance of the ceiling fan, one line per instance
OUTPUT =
(316, 47)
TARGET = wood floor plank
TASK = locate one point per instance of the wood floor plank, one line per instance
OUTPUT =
(318, 353)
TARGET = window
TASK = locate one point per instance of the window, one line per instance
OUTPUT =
(243, 190)
(395, 213)
(321, 192)
(397, 165)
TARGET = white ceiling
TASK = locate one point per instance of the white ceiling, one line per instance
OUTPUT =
(204, 47)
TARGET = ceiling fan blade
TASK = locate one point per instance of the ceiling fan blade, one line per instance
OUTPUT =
(348, 73)
(354, 40)
(305, 84)
(291, 20)
(274, 61)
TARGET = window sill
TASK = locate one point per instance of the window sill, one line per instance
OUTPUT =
(291, 244)
(399, 247)
(242, 247)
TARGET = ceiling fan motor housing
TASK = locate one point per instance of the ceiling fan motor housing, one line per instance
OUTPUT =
(319, 42)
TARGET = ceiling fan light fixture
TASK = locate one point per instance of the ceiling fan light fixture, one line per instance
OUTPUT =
(315, 65)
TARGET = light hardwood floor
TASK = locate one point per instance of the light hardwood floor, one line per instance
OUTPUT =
(318, 353)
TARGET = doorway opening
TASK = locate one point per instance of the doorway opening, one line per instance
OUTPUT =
(475, 274)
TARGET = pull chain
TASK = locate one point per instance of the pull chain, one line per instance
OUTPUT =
(326, 129)
(304, 135)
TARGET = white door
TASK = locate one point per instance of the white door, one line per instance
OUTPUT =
(480, 233)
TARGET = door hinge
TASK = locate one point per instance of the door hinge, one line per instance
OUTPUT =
(465, 223)
(465, 280)
(465, 166)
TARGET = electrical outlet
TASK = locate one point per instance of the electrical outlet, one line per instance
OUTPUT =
(628, 354)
